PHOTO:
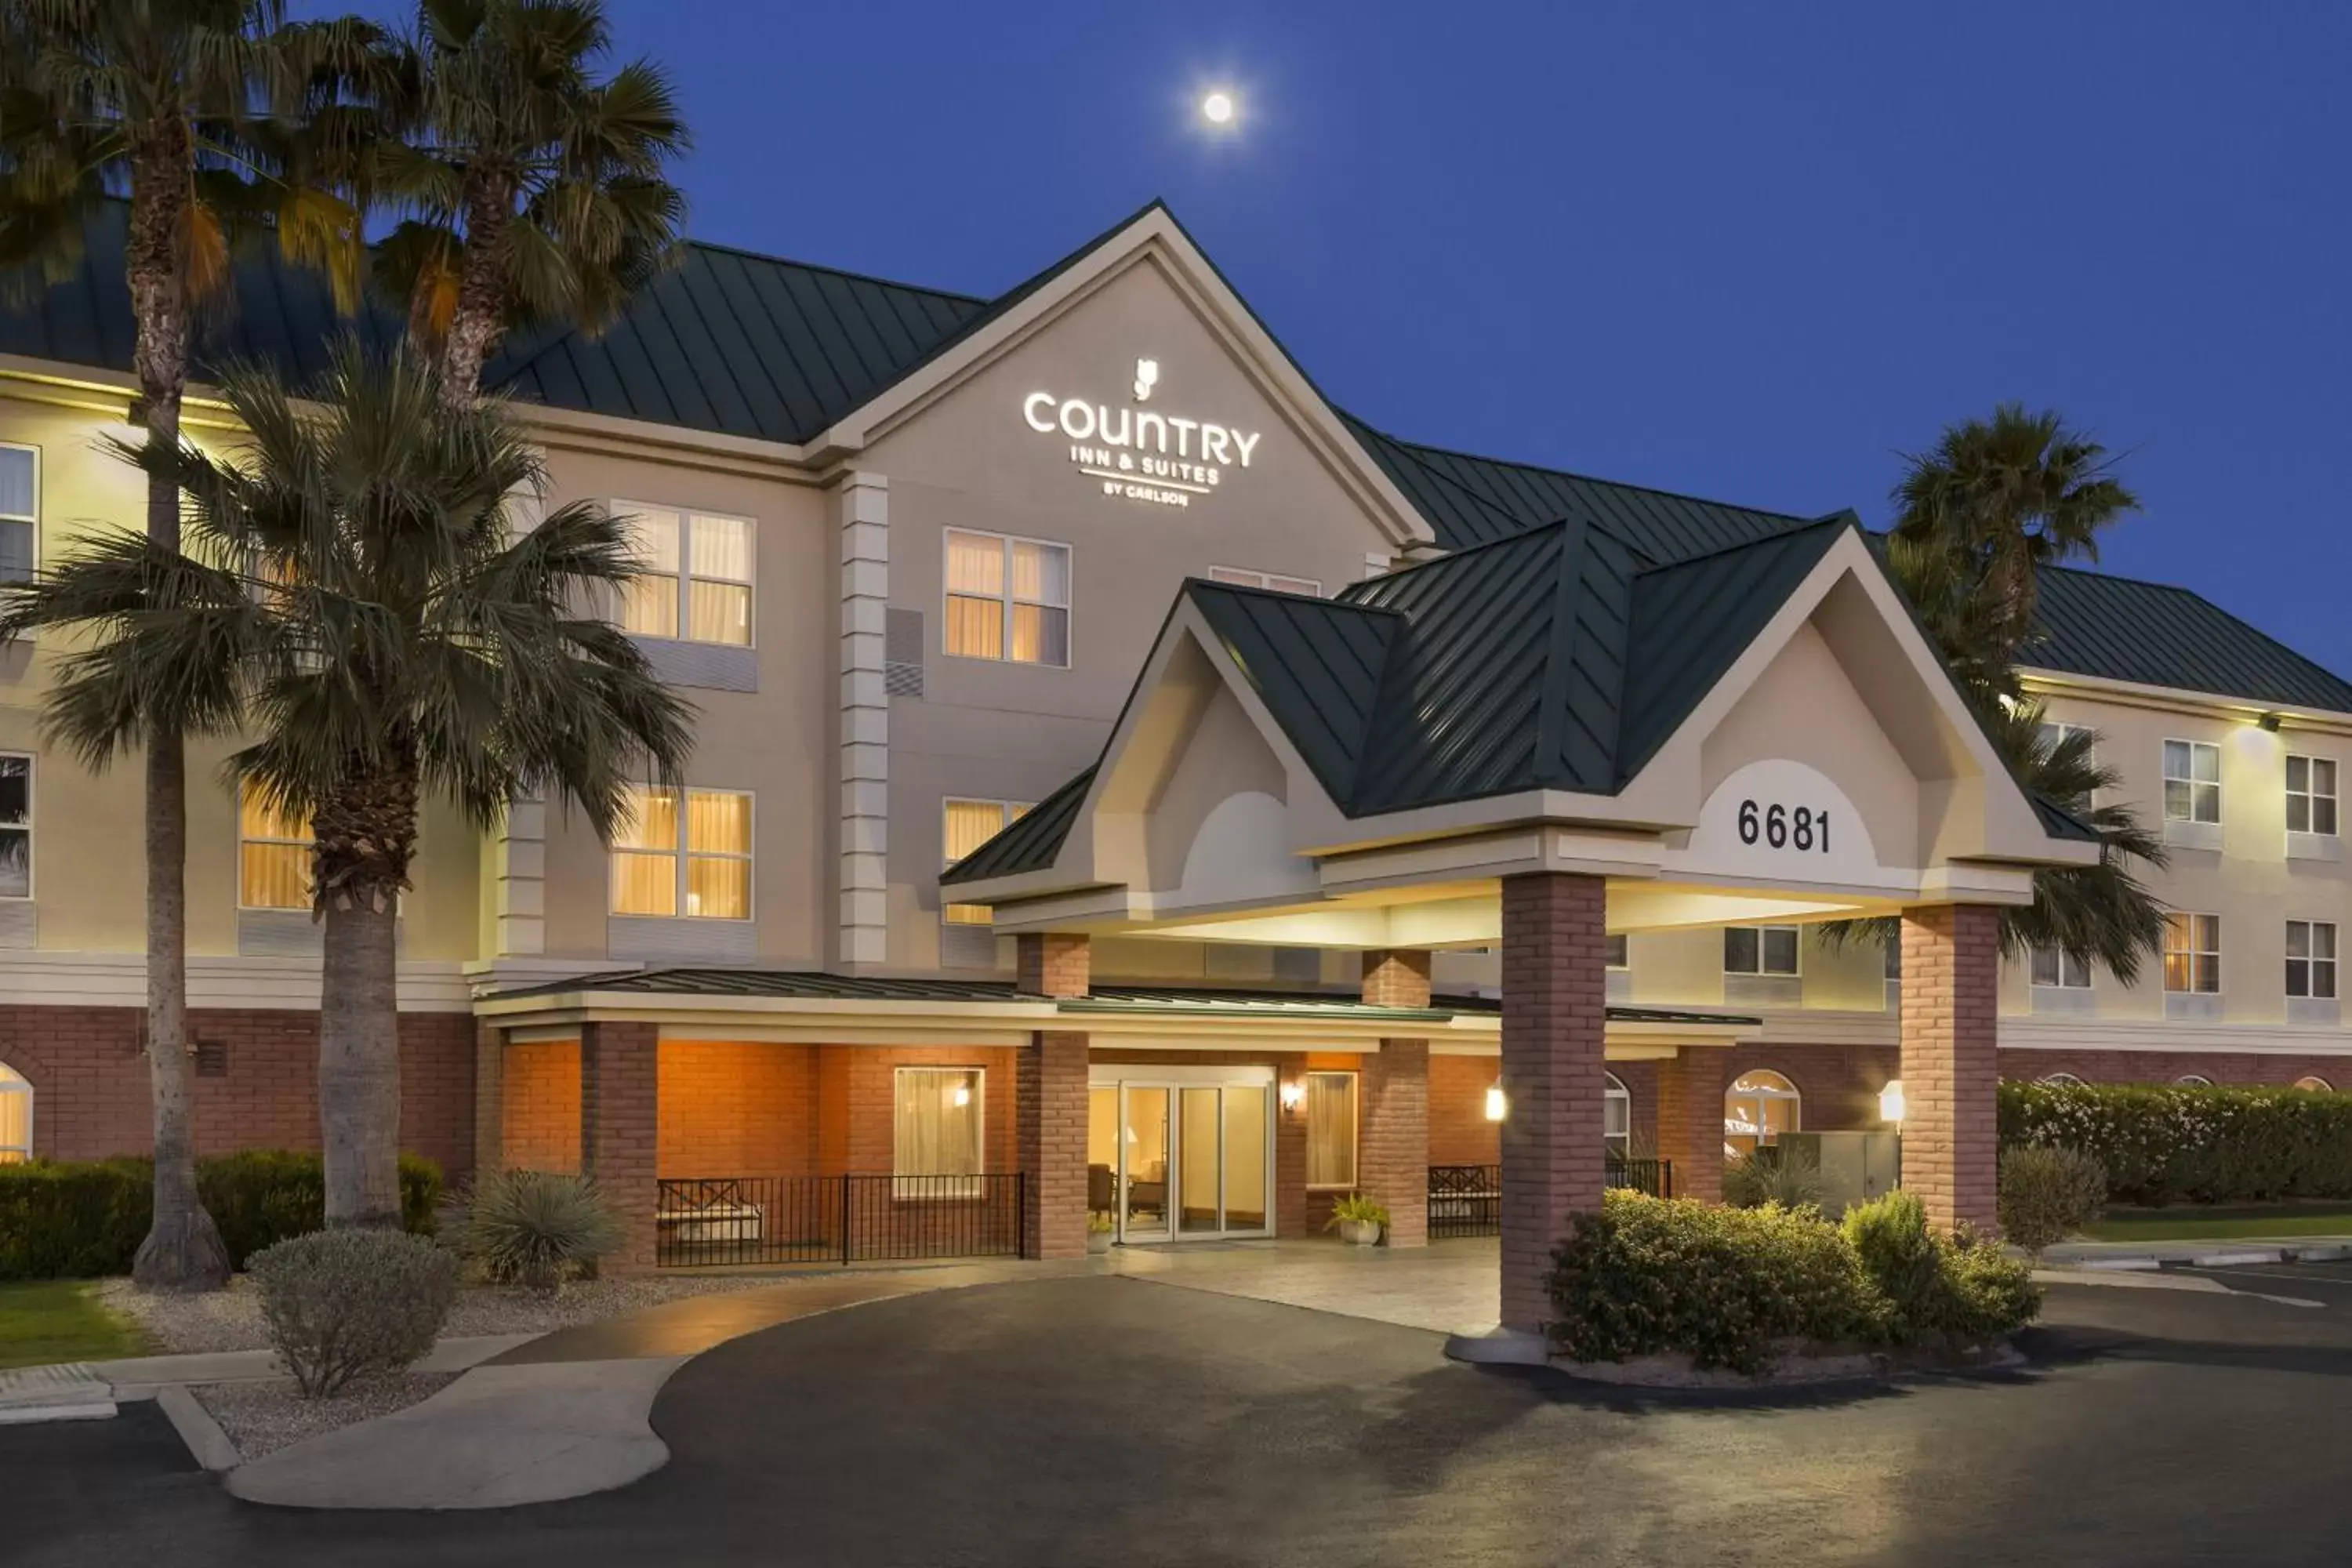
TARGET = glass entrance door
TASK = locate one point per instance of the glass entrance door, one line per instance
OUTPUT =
(1181, 1161)
(1145, 1164)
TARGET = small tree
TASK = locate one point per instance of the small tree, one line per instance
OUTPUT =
(2048, 1194)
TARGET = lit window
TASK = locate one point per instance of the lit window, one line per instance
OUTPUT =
(15, 827)
(1243, 578)
(273, 853)
(2311, 795)
(2052, 967)
(20, 513)
(1758, 1108)
(2193, 782)
(971, 823)
(1760, 950)
(1331, 1130)
(696, 862)
(695, 578)
(1008, 599)
(1617, 951)
(2192, 954)
(1617, 1118)
(2311, 957)
(16, 1117)
(937, 1120)
(2315, 1086)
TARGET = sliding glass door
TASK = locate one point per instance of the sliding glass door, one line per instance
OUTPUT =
(1180, 1161)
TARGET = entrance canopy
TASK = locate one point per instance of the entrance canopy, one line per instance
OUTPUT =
(1762, 733)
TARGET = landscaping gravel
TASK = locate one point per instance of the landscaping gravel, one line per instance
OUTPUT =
(261, 1418)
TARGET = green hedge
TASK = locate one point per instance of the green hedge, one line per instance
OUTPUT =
(1727, 1286)
(2182, 1143)
(80, 1220)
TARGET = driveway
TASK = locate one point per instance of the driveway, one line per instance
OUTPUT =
(1112, 1419)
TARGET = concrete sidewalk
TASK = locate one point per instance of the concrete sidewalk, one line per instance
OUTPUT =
(2206, 1252)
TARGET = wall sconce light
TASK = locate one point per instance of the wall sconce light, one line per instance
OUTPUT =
(1890, 1102)
(1497, 1106)
(962, 1094)
(1294, 1094)
(2270, 723)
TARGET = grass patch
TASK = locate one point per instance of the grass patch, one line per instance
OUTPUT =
(61, 1320)
(2223, 1222)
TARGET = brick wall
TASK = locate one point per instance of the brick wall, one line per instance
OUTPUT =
(857, 1088)
(1686, 1120)
(1396, 977)
(1392, 1138)
(737, 1109)
(1051, 1137)
(253, 1085)
(539, 1118)
(1952, 1060)
(1052, 963)
(620, 1077)
(1459, 1132)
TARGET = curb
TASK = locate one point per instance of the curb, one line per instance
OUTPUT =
(207, 1442)
(2331, 1252)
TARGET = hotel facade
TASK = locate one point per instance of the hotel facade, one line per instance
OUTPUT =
(1329, 812)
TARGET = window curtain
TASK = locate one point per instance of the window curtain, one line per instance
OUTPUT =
(1330, 1129)
(16, 1118)
(936, 1131)
(274, 854)
(649, 602)
(719, 595)
(719, 850)
(645, 855)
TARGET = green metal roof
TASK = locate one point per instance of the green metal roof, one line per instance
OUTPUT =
(1032, 840)
(2121, 629)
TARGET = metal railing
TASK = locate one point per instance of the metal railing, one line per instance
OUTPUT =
(708, 1221)
(1467, 1200)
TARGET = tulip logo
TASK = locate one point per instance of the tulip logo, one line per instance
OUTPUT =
(1147, 376)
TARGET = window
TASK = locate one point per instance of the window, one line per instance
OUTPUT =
(1617, 1118)
(2192, 1080)
(2192, 954)
(15, 827)
(1758, 1108)
(2054, 732)
(2315, 1086)
(2061, 1081)
(1617, 951)
(970, 824)
(1246, 578)
(2311, 957)
(696, 582)
(1331, 1130)
(2193, 782)
(1760, 950)
(2311, 795)
(16, 1117)
(273, 853)
(1008, 599)
(2052, 967)
(696, 863)
(935, 1131)
(20, 512)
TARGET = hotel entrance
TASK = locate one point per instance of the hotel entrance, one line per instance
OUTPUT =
(1180, 1153)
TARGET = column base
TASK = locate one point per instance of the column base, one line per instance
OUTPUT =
(1492, 1345)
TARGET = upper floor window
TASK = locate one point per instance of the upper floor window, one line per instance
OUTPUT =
(2311, 957)
(20, 512)
(273, 852)
(1243, 578)
(2055, 731)
(2311, 795)
(2192, 781)
(2052, 967)
(695, 862)
(968, 825)
(1008, 599)
(1617, 951)
(15, 827)
(695, 577)
(1760, 950)
(2192, 954)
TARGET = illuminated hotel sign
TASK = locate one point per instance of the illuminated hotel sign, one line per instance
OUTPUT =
(1138, 453)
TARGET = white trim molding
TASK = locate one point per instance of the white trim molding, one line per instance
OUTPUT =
(864, 939)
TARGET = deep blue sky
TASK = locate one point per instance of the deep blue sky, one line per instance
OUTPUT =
(1751, 252)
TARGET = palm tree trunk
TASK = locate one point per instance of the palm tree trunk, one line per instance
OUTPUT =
(475, 325)
(182, 1249)
(363, 842)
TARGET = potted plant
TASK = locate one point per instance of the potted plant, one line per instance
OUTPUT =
(1100, 1230)
(1359, 1220)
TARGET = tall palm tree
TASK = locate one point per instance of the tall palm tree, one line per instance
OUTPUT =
(354, 590)
(160, 101)
(530, 189)
(2004, 496)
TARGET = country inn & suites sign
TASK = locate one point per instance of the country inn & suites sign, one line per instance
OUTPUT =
(1138, 453)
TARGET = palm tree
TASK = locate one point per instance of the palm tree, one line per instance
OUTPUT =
(158, 101)
(354, 592)
(2004, 496)
(530, 189)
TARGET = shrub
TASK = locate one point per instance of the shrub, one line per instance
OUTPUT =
(2183, 1143)
(1789, 1177)
(2048, 1194)
(83, 1219)
(343, 1303)
(1356, 1208)
(1727, 1286)
(535, 1228)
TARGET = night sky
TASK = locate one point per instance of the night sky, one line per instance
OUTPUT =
(1749, 252)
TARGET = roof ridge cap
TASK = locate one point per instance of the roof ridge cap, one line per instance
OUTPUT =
(1826, 521)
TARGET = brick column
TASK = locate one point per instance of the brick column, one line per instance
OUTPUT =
(1396, 977)
(1393, 1145)
(1050, 1114)
(490, 1100)
(1555, 957)
(1952, 1060)
(1290, 1215)
(1690, 1121)
(619, 1112)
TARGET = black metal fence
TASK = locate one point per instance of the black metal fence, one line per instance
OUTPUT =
(714, 1220)
(1467, 1200)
